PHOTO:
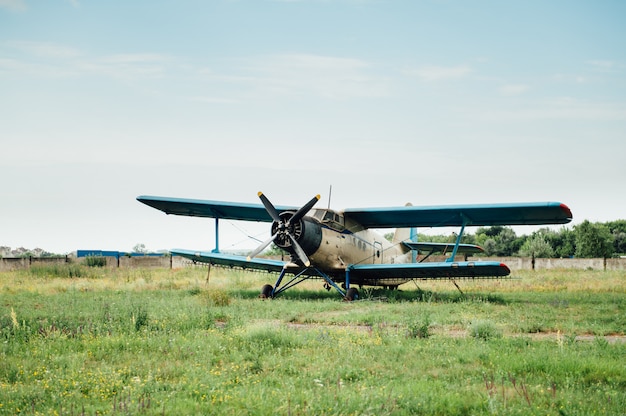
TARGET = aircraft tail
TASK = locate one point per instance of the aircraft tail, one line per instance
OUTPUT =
(402, 234)
(405, 234)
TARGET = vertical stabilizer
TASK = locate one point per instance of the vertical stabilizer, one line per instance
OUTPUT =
(405, 234)
(402, 234)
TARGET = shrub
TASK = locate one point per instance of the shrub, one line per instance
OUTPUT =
(217, 297)
(96, 261)
(484, 330)
(419, 328)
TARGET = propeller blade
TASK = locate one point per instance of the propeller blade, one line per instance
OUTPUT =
(301, 254)
(306, 208)
(269, 207)
(261, 247)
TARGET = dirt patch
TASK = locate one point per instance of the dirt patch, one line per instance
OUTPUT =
(436, 331)
(445, 332)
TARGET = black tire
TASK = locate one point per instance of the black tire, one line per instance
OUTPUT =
(352, 294)
(266, 292)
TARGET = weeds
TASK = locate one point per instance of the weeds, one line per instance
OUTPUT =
(484, 330)
(65, 270)
(216, 297)
(520, 388)
(419, 328)
(139, 318)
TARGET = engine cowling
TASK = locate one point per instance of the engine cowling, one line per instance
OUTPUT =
(307, 232)
(291, 230)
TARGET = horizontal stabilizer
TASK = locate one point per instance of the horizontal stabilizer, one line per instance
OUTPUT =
(443, 247)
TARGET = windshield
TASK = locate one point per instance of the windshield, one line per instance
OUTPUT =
(330, 218)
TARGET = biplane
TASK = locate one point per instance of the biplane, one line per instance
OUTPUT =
(342, 248)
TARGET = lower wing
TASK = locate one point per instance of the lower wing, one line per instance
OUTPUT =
(359, 272)
(434, 270)
(231, 260)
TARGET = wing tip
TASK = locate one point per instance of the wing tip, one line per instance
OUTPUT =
(567, 211)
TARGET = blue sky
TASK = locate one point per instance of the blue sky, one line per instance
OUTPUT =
(433, 102)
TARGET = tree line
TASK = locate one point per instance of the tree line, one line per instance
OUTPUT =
(584, 240)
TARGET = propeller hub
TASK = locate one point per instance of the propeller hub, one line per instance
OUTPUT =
(289, 231)
(283, 228)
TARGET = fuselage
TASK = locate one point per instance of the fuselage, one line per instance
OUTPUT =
(332, 244)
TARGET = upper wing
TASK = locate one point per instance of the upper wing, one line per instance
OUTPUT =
(435, 270)
(533, 213)
(211, 209)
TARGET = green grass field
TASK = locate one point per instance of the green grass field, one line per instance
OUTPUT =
(79, 340)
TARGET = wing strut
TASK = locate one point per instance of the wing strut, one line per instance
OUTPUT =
(217, 236)
(458, 238)
(413, 238)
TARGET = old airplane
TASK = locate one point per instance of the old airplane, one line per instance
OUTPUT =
(341, 248)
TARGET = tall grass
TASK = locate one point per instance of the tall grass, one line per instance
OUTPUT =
(166, 342)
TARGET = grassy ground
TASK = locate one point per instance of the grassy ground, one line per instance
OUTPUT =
(77, 340)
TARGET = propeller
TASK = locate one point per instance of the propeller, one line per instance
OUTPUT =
(284, 227)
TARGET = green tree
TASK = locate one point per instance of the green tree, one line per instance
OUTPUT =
(562, 242)
(498, 240)
(537, 246)
(490, 247)
(618, 230)
(140, 248)
(593, 240)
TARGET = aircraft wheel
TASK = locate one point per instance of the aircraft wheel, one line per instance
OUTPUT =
(352, 294)
(266, 292)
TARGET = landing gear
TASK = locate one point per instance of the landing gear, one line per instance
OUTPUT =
(351, 294)
(266, 292)
(269, 291)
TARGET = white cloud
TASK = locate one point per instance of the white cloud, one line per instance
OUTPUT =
(47, 59)
(602, 65)
(562, 109)
(440, 73)
(513, 89)
(44, 49)
(306, 74)
(213, 100)
(128, 66)
(13, 5)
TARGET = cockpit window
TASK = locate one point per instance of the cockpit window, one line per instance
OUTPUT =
(331, 219)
